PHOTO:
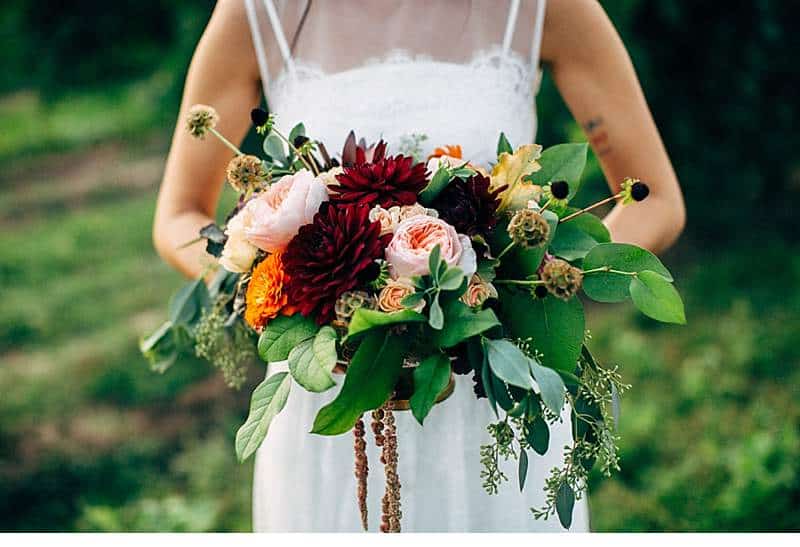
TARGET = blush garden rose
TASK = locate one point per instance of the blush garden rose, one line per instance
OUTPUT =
(415, 238)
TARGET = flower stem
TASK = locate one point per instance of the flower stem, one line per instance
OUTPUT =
(225, 141)
(526, 282)
(504, 251)
(590, 207)
(609, 269)
(294, 149)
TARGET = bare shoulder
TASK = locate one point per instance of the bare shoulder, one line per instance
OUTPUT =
(226, 37)
(574, 30)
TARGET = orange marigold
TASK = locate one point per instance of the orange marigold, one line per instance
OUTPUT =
(265, 297)
(452, 150)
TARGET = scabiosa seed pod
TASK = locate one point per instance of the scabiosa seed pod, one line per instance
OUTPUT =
(561, 279)
(200, 119)
(559, 189)
(259, 117)
(246, 173)
(633, 190)
(528, 228)
(348, 303)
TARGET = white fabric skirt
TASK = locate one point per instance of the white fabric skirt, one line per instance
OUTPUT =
(306, 483)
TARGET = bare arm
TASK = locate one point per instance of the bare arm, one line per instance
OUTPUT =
(594, 74)
(223, 74)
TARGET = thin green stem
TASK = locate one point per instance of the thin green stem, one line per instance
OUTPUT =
(294, 149)
(525, 282)
(504, 251)
(225, 141)
(590, 207)
(609, 269)
(545, 206)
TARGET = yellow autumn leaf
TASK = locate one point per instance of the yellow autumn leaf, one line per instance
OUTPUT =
(512, 168)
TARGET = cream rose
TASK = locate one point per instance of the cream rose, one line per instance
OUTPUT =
(329, 177)
(415, 238)
(391, 296)
(391, 217)
(434, 164)
(478, 291)
(279, 212)
(238, 254)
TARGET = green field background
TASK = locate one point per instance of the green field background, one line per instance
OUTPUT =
(90, 439)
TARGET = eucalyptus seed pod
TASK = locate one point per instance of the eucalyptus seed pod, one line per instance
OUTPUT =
(528, 228)
(561, 279)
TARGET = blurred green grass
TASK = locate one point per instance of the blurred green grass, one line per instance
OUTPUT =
(90, 439)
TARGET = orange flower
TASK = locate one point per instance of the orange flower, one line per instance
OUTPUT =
(265, 296)
(452, 150)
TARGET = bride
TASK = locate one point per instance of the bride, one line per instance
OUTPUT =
(458, 72)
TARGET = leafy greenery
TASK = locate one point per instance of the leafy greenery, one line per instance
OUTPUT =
(430, 378)
(267, 401)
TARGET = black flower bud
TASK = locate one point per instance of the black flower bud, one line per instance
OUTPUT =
(540, 291)
(639, 191)
(559, 189)
(259, 116)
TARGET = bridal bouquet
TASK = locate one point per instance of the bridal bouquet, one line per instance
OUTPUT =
(388, 274)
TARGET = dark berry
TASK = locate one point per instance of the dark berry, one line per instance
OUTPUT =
(299, 141)
(559, 189)
(540, 291)
(639, 191)
(259, 116)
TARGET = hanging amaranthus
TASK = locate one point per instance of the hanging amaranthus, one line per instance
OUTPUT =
(390, 505)
(362, 469)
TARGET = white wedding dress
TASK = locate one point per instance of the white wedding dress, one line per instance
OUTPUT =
(459, 72)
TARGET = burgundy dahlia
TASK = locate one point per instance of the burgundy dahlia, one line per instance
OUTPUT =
(384, 181)
(332, 255)
(468, 205)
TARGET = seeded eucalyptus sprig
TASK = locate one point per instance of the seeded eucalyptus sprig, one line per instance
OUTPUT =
(265, 125)
(442, 278)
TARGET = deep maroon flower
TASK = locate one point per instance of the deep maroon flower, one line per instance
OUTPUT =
(383, 181)
(468, 205)
(332, 255)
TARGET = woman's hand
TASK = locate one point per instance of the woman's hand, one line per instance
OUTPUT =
(223, 74)
(594, 74)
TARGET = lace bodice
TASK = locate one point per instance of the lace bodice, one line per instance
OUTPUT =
(400, 94)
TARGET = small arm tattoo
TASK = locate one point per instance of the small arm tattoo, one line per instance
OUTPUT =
(598, 137)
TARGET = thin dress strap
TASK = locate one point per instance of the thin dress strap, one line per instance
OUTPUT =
(538, 29)
(510, 25)
(280, 37)
(258, 42)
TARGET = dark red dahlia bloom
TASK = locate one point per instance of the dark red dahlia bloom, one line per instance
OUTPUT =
(333, 254)
(468, 205)
(395, 180)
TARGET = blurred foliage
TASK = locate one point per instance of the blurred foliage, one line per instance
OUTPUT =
(91, 440)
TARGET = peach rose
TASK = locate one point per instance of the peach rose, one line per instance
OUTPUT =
(238, 254)
(391, 217)
(391, 296)
(415, 238)
(478, 291)
(279, 212)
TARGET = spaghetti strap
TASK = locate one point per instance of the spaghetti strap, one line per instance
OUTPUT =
(258, 43)
(510, 25)
(538, 30)
(280, 37)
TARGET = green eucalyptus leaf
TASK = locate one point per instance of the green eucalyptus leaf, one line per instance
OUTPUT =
(282, 334)
(565, 502)
(561, 162)
(555, 326)
(371, 377)
(267, 401)
(451, 279)
(434, 260)
(298, 130)
(538, 435)
(508, 362)
(365, 320)
(436, 314)
(522, 471)
(501, 395)
(657, 298)
(486, 380)
(612, 287)
(462, 323)
(551, 386)
(430, 379)
(438, 182)
(571, 242)
(273, 147)
(413, 299)
(312, 361)
(187, 304)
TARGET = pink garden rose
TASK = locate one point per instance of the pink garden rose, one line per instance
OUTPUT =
(279, 212)
(415, 238)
